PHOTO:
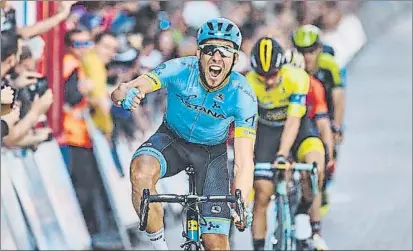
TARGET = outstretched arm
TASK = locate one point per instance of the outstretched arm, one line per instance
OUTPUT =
(141, 83)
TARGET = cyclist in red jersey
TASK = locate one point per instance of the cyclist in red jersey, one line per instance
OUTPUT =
(317, 111)
(318, 114)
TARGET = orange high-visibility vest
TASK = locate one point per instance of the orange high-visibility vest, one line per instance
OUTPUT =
(74, 130)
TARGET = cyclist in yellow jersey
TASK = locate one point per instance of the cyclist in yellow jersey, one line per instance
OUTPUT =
(282, 129)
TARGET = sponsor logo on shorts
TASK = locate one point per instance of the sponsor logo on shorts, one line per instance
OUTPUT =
(216, 209)
(212, 225)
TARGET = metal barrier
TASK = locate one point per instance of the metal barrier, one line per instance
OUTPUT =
(117, 188)
(56, 179)
(41, 183)
(14, 230)
(35, 202)
(7, 240)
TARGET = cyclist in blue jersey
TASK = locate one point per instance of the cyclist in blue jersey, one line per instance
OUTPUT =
(204, 97)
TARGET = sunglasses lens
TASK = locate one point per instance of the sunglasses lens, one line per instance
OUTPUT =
(210, 50)
(224, 52)
(307, 50)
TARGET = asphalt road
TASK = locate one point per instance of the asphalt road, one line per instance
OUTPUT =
(372, 195)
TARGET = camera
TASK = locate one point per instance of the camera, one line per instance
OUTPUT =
(27, 94)
(39, 88)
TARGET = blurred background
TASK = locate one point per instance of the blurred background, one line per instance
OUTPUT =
(66, 149)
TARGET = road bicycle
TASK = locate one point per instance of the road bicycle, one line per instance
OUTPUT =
(190, 202)
(287, 194)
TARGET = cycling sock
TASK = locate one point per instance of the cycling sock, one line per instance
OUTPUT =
(316, 227)
(158, 240)
(302, 226)
(258, 244)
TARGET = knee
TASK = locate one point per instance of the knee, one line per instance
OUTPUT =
(310, 150)
(215, 241)
(261, 199)
(144, 169)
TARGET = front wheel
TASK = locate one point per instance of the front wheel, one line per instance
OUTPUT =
(283, 236)
(192, 247)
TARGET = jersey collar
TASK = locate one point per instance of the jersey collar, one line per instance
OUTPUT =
(219, 87)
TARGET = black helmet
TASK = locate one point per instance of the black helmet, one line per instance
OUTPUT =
(267, 57)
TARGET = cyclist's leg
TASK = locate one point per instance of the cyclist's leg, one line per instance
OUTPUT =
(324, 202)
(266, 147)
(327, 179)
(312, 150)
(156, 158)
(309, 149)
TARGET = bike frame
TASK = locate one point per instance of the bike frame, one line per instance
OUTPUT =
(192, 235)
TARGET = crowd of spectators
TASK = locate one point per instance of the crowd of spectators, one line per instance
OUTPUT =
(107, 43)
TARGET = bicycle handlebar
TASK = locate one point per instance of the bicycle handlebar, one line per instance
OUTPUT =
(174, 198)
(311, 168)
(298, 167)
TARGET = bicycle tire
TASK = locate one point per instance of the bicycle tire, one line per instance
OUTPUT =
(283, 241)
(192, 247)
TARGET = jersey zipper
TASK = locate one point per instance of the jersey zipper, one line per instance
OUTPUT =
(197, 116)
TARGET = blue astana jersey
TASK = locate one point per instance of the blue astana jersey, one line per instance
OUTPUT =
(199, 114)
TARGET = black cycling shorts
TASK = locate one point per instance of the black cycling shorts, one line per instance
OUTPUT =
(212, 175)
(268, 142)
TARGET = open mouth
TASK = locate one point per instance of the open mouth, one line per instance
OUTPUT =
(215, 70)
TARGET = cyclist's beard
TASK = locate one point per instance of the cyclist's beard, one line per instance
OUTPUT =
(203, 75)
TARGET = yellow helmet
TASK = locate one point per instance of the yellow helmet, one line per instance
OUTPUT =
(306, 36)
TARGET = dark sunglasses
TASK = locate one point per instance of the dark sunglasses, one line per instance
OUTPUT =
(224, 51)
(82, 44)
(305, 50)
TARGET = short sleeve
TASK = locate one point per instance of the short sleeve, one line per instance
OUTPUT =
(301, 85)
(163, 74)
(328, 62)
(246, 113)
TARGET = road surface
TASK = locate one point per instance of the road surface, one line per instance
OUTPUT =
(372, 195)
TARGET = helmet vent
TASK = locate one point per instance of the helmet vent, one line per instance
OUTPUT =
(220, 26)
(210, 26)
(229, 27)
